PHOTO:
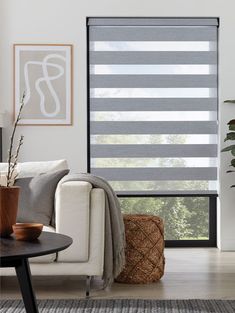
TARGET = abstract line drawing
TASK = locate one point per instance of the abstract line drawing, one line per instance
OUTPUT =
(46, 78)
(43, 72)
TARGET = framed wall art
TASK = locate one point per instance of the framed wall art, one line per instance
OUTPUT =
(44, 73)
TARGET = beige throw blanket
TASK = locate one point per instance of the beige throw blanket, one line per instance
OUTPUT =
(114, 254)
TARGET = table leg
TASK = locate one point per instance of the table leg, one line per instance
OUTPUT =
(24, 277)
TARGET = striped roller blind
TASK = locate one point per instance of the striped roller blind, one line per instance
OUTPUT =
(153, 104)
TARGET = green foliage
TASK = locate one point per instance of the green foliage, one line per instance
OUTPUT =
(228, 148)
(230, 136)
(229, 101)
(184, 217)
(198, 216)
(231, 127)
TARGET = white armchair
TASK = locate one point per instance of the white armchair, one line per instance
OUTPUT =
(79, 213)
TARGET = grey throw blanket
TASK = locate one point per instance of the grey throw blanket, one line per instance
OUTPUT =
(114, 254)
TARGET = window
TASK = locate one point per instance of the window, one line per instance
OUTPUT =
(153, 119)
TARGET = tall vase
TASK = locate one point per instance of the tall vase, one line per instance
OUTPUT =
(9, 198)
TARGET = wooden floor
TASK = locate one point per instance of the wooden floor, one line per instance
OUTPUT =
(190, 273)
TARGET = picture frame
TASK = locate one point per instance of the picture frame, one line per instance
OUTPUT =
(44, 72)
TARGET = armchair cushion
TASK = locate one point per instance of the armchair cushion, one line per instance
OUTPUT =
(36, 203)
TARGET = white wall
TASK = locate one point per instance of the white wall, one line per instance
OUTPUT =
(64, 21)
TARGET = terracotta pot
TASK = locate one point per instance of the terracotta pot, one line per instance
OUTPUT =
(9, 198)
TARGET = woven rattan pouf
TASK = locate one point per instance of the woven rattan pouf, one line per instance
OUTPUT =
(144, 249)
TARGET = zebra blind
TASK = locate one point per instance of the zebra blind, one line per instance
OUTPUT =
(153, 104)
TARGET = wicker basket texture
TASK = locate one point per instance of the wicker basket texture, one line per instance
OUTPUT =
(144, 249)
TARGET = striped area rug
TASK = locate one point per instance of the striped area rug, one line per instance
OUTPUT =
(123, 306)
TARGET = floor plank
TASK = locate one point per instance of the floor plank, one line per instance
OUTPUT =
(189, 273)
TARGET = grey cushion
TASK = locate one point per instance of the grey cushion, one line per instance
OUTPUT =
(36, 203)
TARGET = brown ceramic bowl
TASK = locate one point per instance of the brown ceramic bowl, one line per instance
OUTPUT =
(27, 231)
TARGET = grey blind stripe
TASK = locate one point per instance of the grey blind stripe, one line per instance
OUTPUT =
(162, 150)
(154, 104)
(153, 21)
(166, 192)
(183, 53)
(133, 33)
(198, 127)
(152, 57)
(153, 81)
(149, 174)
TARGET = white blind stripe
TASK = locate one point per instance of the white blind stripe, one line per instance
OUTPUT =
(139, 33)
(152, 81)
(187, 185)
(117, 116)
(152, 57)
(148, 150)
(153, 139)
(153, 46)
(140, 21)
(159, 104)
(148, 174)
(153, 69)
(198, 127)
(153, 92)
(154, 162)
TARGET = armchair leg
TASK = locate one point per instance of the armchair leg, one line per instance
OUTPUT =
(88, 286)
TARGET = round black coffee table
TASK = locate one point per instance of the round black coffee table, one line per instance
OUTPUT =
(14, 253)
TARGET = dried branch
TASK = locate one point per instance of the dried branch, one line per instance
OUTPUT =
(11, 167)
(11, 178)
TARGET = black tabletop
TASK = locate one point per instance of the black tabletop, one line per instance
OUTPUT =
(12, 249)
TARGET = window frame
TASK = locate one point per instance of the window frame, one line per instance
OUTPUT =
(212, 241)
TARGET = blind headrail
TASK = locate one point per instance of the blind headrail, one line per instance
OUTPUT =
(152, 21)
